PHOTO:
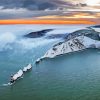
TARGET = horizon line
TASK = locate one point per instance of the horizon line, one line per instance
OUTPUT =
(30, 21)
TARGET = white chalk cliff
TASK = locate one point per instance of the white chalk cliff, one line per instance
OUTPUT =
(75, 44)
(76, 41)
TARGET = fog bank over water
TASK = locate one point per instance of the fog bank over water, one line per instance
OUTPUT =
(12, 36)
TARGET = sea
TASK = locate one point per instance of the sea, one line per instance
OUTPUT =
(74, 76)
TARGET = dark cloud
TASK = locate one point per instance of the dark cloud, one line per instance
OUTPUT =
(38, 5)
(32, 4)
(24, 13)
(11, 9)
(26, 8)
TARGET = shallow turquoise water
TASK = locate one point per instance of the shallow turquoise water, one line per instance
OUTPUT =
(74, 76)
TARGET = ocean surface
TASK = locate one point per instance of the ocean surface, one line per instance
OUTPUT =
(74, 76)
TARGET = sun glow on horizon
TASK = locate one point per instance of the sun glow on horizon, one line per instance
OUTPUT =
(92, 2)
(17, 21)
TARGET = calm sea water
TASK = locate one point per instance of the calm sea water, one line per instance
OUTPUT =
(73, 76)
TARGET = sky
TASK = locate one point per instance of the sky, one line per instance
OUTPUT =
(88, 10)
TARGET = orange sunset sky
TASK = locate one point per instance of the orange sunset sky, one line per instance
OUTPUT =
(74, 17)
(22, 21)
(50, 12)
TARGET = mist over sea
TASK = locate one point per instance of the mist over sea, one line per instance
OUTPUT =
(73, 76)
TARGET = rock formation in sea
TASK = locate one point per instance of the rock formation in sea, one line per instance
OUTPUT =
(76, 41)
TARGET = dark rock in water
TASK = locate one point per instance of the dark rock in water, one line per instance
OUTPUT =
(89, 32)
(54, 36)
(38, 34)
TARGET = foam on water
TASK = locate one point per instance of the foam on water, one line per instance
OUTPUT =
(8, 84)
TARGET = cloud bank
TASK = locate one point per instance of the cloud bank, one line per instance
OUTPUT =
(28, 9)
